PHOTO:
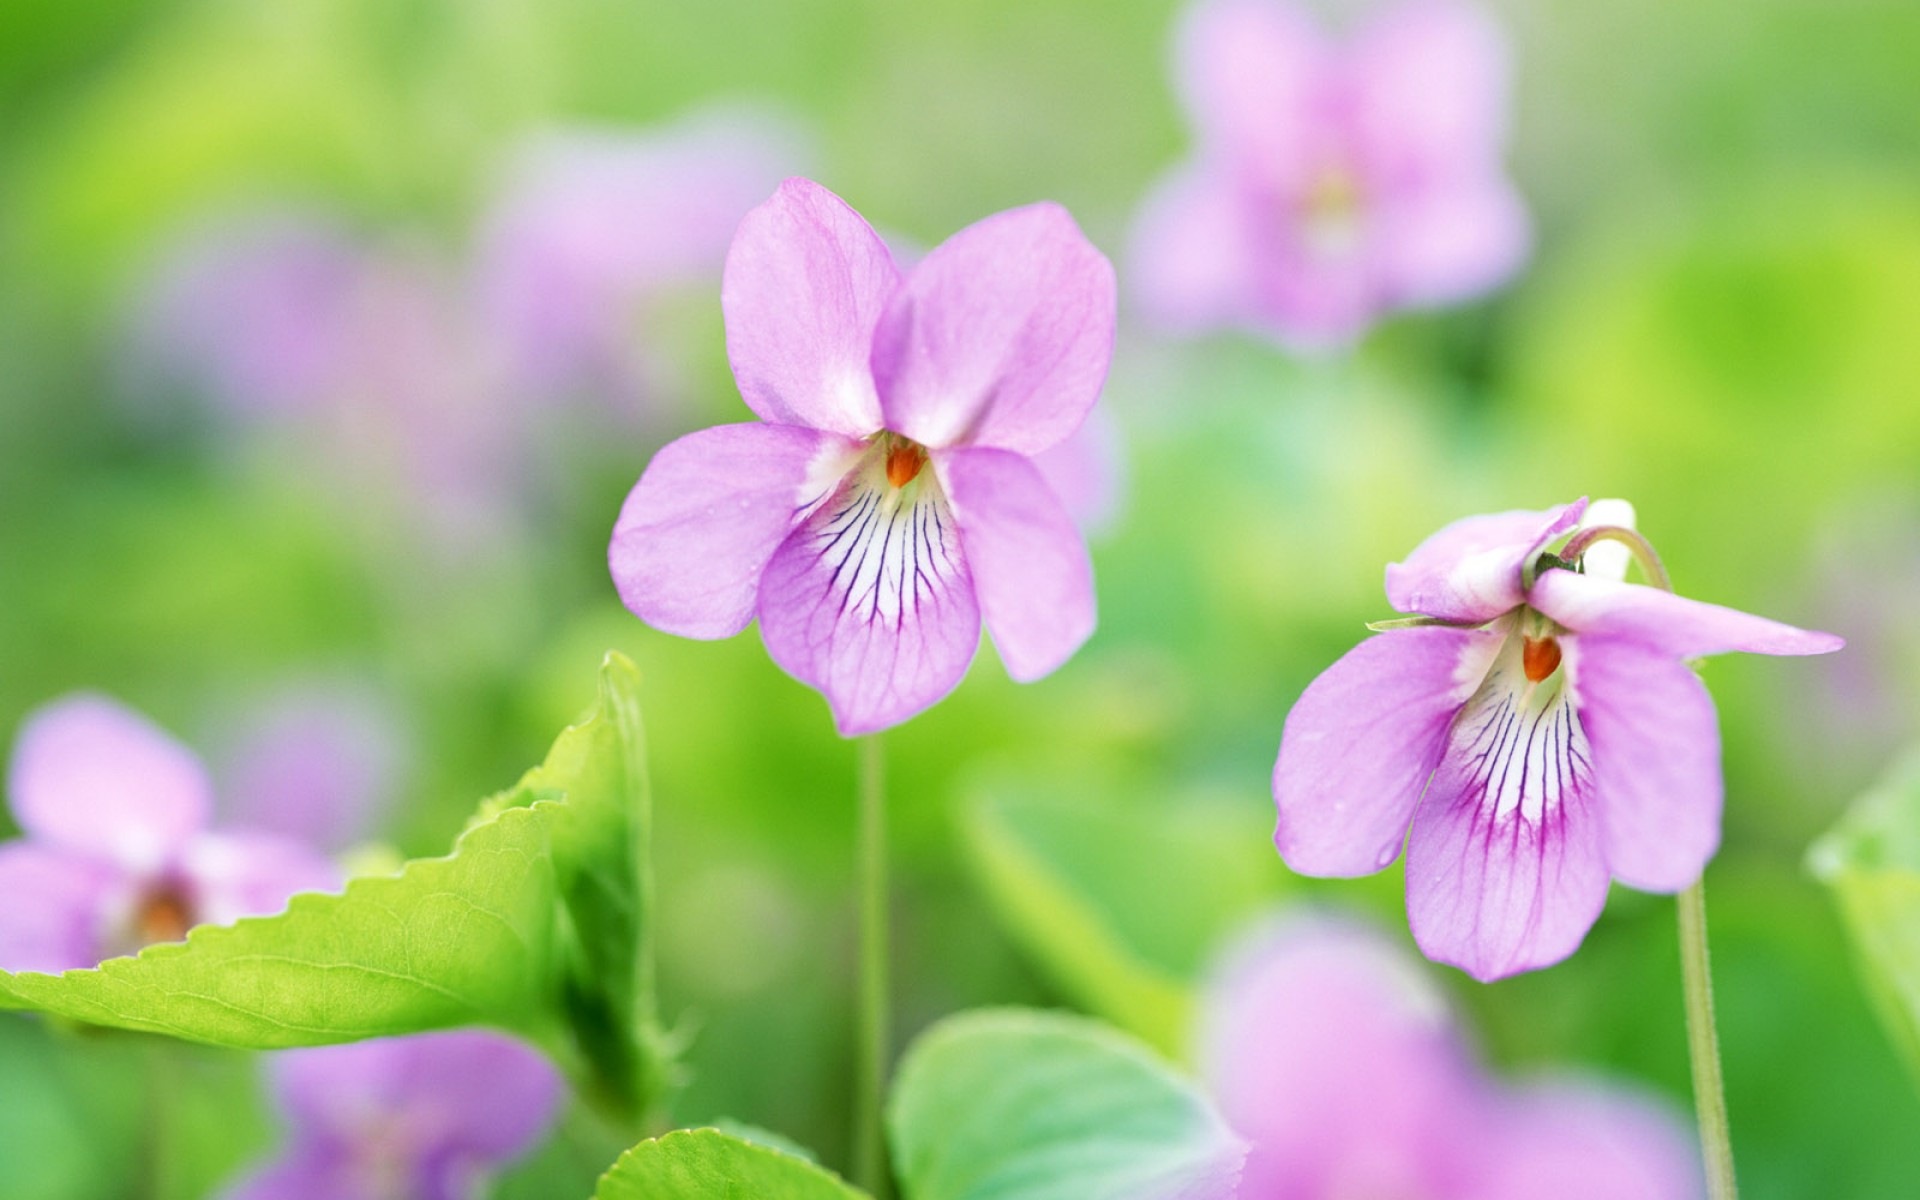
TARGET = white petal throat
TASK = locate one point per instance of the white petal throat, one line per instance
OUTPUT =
(1518, 747)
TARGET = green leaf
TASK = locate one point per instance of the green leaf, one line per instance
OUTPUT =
(1871, 860)
(706, 1164)
(537, 923)
(1020, 1105)
(1065, 877)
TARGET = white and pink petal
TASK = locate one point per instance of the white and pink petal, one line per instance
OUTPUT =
(699, 528)
(1471, 569)
(1673, 625)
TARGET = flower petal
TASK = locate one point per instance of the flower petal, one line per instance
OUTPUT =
(1607, 559)
(1660, 620)
(1362, 741)
(871, 601)
(309, 1170)
(1448, 244)
(1030, 567)
(1583, 1141)
(1504, 865)
(1191, 254)
(1251, 72)
(1470, 570)
(805, 281)
(1000, 337)
(699, 527)
(1431, 80)
(51, 917)
(482, 1096)
(1656, 756)
(317, 761)
(92, 775)
(236, 875)
(1327, 1050)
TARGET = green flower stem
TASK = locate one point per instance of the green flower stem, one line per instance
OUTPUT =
(870, 1066)
(1703, 1046)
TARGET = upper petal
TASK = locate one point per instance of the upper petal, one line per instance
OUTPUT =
(1088, 472)
(1431, 84)
(1587, 1141)
(871, 601)
(1361, 742)
(806, 279)
(1030, 567)
(1505, 871)
(999, 337)
(55, 905)
(1328, 1050)
(1451, 243)
(236, 875)
(1470, 570)
(1252, 72)
(699, 527)
(90, 774)
(1665, 622)
(1656, 760)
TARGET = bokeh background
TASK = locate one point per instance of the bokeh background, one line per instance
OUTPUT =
(1719, 323)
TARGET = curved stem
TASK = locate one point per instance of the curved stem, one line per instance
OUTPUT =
(1643, 551)
(1703, 1045)
(870, 1070)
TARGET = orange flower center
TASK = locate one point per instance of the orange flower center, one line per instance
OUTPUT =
(1539, 657)
(904, 461)
(165, 914)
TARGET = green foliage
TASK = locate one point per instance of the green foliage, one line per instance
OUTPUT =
(537, 923)
(1021, 1105)
(706, 1164)
(1070, 880)
(1871, 860)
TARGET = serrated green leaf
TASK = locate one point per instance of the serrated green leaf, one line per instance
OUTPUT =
(1020, 1105)
(1871, 860)
(536, 923)
(706, 1164)
(1065, 877)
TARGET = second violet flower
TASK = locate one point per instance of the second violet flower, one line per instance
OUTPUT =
(1532, 732)
(887, 502)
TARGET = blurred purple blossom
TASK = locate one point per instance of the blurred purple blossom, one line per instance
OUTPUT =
(1332, 183)
(118, 852)
(427, 1117)
(1333, 1056)
(1534, 736)
(887, 500)
(590, 227)
(316, 762)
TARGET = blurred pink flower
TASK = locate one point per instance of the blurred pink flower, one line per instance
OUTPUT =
(317, 762)
(427, 1117)
(1543, 735)
(1332, 183)
(590, 227)
(118, 851)
(887, 500)
(1335, 1059)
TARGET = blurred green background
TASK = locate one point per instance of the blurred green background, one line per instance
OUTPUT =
(1720, 324)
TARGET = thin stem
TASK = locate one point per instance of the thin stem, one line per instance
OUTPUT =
(870, 1071)
(1703, 1046)
(1632, 539)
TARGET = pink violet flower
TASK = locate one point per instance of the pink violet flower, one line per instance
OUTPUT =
(1339, 1063)
(118, 852)
(317, 761)
(1537, 733)
(887, 501)
(1331, 183)
(427, 1117)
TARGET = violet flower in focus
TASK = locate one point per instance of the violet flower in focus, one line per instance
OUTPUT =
(591, 227)
(1341, 1066)
(887, 502)
(118, 852)
(427, 1117)
(1532, 733)
(1332, 183)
